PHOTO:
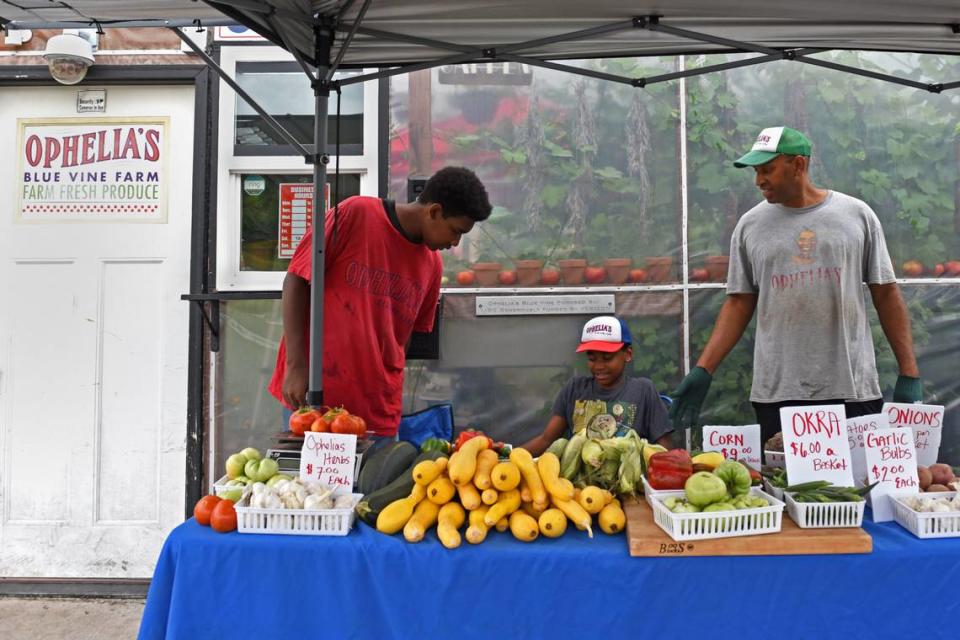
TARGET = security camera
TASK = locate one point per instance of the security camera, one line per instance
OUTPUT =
(68, 57)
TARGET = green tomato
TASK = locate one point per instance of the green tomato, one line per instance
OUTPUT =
(719, 506)
(703, 488)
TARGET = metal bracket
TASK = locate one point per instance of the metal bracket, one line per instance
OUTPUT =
(213, 324)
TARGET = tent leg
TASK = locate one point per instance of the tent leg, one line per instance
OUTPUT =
(321, 91)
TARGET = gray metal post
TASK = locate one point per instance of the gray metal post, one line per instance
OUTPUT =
(321, 92)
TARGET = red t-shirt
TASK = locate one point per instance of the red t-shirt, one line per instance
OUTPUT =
(379, 288)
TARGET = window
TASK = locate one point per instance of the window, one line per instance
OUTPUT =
(261, 199)
(283, 90)
(253, 162)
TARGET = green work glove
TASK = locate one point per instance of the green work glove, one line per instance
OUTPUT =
(688, 397)
(908, 390)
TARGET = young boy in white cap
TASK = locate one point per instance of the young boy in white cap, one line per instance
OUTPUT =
(632, 403)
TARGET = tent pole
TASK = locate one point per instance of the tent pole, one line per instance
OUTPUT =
(323, 35)
(267, 118)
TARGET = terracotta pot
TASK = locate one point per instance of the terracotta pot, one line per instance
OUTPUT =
(660, 269)
(618, 269)
(528, 272)
(717, 267)
(486, 273)
(572, 269)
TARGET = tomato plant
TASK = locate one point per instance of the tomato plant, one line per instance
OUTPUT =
(224, 517)
(204, 507)
(302, 420)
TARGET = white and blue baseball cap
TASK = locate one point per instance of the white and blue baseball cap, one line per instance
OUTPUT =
(604, 333)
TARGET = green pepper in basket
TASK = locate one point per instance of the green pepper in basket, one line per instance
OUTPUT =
(435, 444)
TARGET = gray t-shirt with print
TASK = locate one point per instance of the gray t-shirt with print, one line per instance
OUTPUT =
(635, 404)
(808, 267)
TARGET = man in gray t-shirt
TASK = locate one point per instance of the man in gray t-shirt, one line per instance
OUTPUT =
(800, 259)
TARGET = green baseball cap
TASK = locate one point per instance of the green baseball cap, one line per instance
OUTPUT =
(772, 142)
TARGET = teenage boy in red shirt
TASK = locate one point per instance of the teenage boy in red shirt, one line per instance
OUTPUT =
(382, 283)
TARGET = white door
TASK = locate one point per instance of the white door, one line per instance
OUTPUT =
(93, 336)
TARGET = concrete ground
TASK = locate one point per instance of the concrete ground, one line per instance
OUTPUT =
(49, 618)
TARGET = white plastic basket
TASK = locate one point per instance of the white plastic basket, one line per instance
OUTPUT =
(941, 524)
(220, 486)
(825, 515)
(775, 459)
(649, 492)
(319, 522)
(776, 492)
(718, 524)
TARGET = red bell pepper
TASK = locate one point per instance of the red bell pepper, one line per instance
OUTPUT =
(669, 470)
(468, 434)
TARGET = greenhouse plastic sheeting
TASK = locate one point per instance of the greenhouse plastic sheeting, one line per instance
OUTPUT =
(368, 585)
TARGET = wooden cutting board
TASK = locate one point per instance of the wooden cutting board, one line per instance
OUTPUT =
(646, 538)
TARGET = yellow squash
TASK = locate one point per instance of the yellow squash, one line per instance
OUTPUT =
(578, 516)
(469, 496)
(612, 519)
(523, 526)
(477, 528)
(548, 465)
(489, 496)
(424, 517)
(508, 502)
(462, 468)
(710, 459)
(505, 476)
(553, 523)
(449, 520)
(592, 499)
(524, 462)
(396, 514)
(486, 461)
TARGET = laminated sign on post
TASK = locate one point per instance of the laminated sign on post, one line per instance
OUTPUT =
(891, 460)
(295, 215)
(856, 432)
(329, 458)
(926, 420)
(735, 443)
(815, 444)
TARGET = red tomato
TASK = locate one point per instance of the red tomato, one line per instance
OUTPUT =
(204, 507)
(507, 277)
(302, 419)
(465, 278)
(322, 424)
(595, 275)
(347, 423)
(550, 277)
(699, 275)
(224, 517)
(638, 275)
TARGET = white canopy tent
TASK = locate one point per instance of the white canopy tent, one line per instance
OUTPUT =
(404, 36)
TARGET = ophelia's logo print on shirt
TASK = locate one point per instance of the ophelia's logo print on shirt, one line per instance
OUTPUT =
(806, 246)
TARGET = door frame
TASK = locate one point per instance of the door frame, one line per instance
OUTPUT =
(202, 239)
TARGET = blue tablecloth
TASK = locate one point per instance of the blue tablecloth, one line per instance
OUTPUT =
(368, 585)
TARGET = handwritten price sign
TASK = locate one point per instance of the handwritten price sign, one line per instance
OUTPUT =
(329, 458)
(926, 420)
(815, 444)
(735, 443)
(856, 430)
(891, 460)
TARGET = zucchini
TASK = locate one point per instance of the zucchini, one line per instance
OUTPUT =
(370, 506)
(384, 466)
